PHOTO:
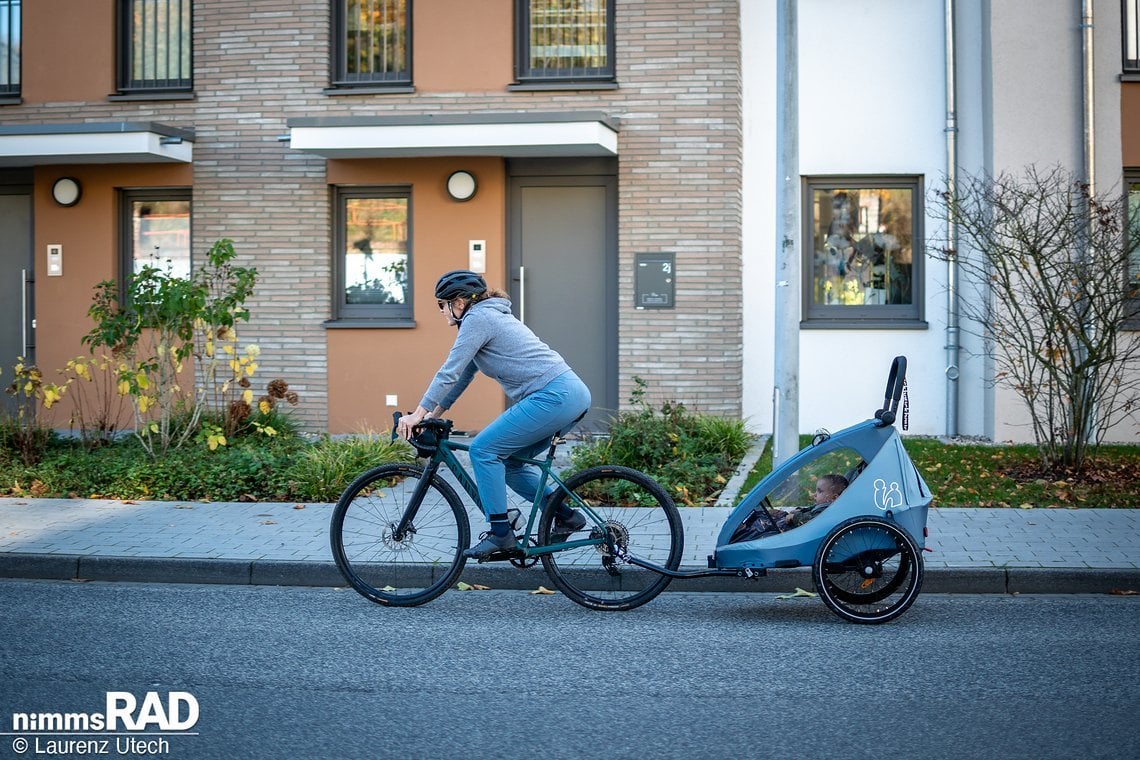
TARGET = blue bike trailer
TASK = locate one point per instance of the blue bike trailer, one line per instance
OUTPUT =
(883, 484)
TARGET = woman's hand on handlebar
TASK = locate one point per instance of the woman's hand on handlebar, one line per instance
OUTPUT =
(406, 427)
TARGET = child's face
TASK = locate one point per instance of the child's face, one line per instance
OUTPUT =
(824, 494)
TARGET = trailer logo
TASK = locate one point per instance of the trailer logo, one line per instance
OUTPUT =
(887, 497)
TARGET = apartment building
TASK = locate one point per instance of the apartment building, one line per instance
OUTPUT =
(888, 90)
(585, 154)
(610, 163)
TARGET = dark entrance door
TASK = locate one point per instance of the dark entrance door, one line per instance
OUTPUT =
(563, 260)
(17, 275)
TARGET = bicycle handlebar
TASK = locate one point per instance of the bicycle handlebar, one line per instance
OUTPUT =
(426, 435)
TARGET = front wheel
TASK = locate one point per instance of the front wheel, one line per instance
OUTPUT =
(868, 570)
(385, 564)
(632, 517)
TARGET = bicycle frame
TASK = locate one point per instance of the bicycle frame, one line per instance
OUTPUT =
(445, 455)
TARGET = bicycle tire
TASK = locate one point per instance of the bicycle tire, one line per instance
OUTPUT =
(402, 572)
(639, 515)
(868, 570)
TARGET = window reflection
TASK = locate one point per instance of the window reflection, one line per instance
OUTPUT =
(862, 246)
(161, 235)
(376, 251)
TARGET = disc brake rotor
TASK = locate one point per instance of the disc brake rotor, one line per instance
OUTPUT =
(398, 545)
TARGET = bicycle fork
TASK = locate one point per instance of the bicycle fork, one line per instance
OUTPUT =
(405, 524)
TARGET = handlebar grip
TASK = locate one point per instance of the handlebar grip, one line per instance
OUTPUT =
(395, 422)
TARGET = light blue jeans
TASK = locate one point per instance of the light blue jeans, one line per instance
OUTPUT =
(525, 428)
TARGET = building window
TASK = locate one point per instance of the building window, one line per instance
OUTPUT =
(373, 42)
(373, 258)
(565, 40)
(863, 251)
(1132, 276)
(1132, 36)
(156, 231)
(9, 47)
(154, 46)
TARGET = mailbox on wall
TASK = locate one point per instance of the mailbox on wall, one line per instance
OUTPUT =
(653, 280)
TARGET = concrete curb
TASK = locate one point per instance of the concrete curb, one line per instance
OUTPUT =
(938, 580)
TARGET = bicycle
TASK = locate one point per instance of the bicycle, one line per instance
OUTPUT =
(399, 531)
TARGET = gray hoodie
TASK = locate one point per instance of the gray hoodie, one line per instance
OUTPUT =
(492, 341)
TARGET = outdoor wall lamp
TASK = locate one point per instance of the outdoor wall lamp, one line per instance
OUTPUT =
(66, 191)
(461, 186)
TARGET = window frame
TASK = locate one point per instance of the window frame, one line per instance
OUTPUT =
(13, 10)
(1131, 177)
(127, 197)
(524, 75)
(1129, 66)
(369, 315)
(125, 55)
(889, 316)
(338, 52)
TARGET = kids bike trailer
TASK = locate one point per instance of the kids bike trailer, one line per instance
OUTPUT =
(865, 547)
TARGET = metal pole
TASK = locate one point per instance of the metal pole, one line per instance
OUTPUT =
(786, 395)
(952, 306)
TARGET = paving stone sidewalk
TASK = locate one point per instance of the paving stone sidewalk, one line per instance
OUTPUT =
(984, 550)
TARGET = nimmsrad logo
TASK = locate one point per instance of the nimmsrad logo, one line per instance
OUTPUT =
(178, 713)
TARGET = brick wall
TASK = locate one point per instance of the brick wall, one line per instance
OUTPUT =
(259, 63)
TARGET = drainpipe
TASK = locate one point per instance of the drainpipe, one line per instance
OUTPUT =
(1087, 92)
(952, 310)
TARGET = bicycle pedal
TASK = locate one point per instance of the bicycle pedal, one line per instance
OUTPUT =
(502, 556)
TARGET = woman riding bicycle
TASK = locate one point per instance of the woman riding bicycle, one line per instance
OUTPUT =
(546, 397)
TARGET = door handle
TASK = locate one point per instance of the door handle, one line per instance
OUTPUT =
(522, 295)
(24, 312)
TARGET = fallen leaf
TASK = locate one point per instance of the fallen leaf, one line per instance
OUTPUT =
(247, 497)
(183, 506)
(298, 506)
(471, 587)
(798, 592)
(128, 501)
(1124, 592)
(268, 522)
(543, 590)
(388, 588)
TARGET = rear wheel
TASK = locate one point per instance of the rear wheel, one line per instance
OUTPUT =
(868, 570)
(385, 565)
(636, 518)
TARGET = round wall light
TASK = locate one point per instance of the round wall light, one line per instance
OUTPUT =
(461, 185)
(66, 191)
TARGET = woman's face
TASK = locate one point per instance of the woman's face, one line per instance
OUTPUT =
(452, 309)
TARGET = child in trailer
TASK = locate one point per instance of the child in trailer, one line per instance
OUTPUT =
(763, 522)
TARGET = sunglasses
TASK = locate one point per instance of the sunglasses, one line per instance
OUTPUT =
(441, 304)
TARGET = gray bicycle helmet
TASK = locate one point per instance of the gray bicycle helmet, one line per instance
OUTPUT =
(459, 283)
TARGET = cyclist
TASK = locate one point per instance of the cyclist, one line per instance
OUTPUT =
(545, 394)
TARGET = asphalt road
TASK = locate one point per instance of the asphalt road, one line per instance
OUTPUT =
(321, 673)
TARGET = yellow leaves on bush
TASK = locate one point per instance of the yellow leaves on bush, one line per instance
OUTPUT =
(52, 394)
(264, 407)
(247, 396)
